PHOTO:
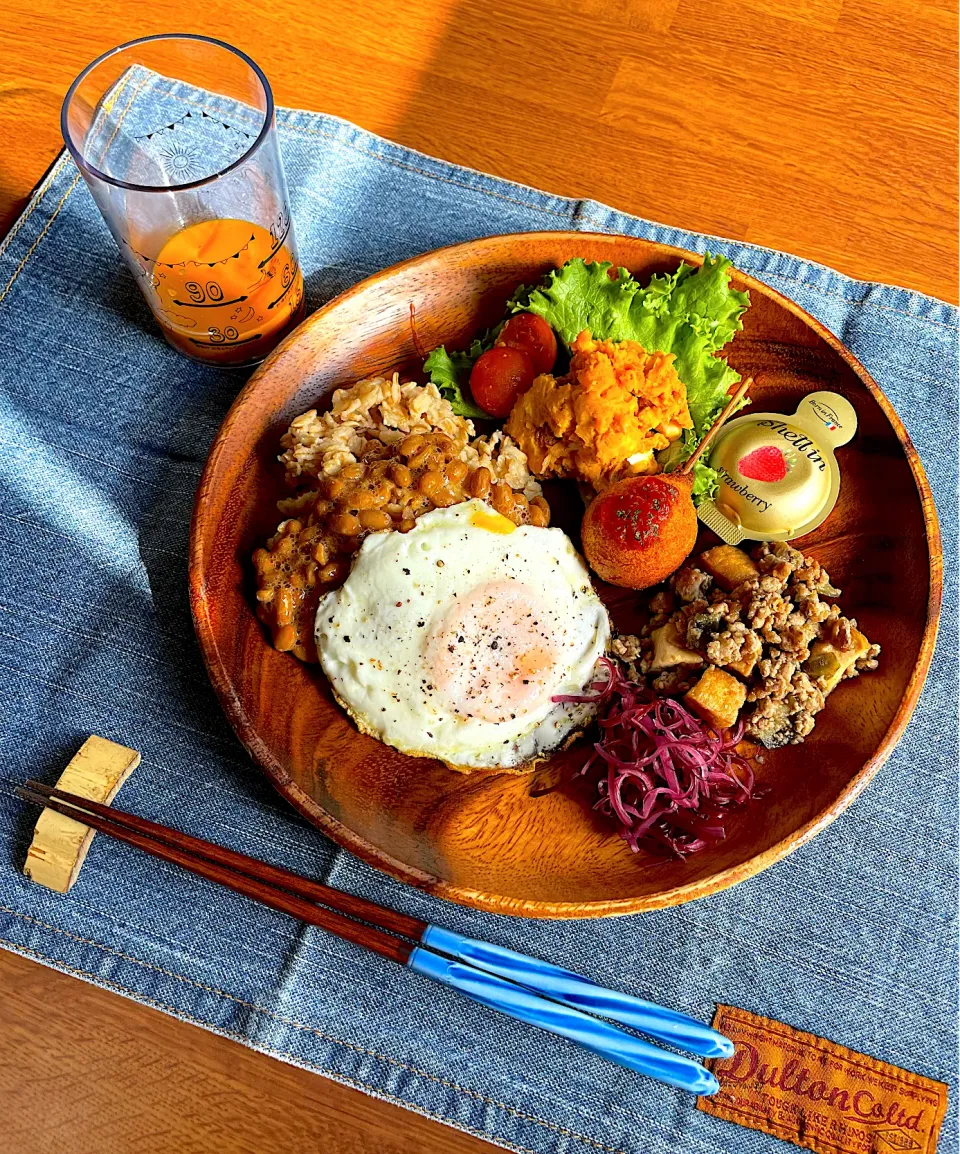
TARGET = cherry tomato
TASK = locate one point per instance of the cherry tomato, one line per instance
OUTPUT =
(499, 376)
(531, 333)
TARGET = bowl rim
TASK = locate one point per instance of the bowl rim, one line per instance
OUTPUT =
(501, 904)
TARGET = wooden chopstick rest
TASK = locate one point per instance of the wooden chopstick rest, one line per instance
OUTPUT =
(96, 772)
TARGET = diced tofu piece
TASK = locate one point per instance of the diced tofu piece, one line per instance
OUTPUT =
(827, 664)
(668, 651)
(744, 667)
(728, 566)
(717, 698)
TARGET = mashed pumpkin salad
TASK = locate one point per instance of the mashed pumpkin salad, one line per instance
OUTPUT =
(607, 417)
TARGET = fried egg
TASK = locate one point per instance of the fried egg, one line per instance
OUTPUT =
(451, 640)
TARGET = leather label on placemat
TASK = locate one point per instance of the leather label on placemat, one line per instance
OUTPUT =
(819, 1095)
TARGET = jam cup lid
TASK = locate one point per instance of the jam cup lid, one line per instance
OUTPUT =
(779, 478)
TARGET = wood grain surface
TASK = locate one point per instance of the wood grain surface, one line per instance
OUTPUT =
(477, 838)
(86, 1072)
(823, 127)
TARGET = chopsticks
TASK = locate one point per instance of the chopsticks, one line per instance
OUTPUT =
(520, 986)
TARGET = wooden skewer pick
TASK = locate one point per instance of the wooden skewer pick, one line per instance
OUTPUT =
(730, 407)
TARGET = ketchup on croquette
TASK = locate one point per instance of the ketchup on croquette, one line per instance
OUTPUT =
(640, 530)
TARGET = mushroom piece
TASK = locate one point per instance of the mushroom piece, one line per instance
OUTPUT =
(668, 649)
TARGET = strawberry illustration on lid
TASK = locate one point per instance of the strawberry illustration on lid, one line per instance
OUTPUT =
(778, 476)
(769, 463)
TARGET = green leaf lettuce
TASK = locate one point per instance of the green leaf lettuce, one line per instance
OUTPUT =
(450, 372)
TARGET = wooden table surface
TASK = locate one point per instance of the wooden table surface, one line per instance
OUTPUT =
(826, 128)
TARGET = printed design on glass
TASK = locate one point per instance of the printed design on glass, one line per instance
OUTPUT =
(224, 282)
(193, 146)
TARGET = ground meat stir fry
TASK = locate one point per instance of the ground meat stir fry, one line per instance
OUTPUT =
(765, 622)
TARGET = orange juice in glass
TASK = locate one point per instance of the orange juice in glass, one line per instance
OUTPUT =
(176, 139)
(225, 286)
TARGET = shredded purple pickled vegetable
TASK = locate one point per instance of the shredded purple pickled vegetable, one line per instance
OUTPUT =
(662, 774)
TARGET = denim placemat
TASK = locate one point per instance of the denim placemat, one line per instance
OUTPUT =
(104, 432)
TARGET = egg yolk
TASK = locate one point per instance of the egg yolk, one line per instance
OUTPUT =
(492, 521)
(494, 655)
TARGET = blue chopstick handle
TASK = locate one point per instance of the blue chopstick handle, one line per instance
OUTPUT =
(573, 990)
(592, 1033)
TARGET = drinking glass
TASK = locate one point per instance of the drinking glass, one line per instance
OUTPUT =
(176, 138)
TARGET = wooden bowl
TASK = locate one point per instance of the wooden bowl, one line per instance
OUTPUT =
(530, 844)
